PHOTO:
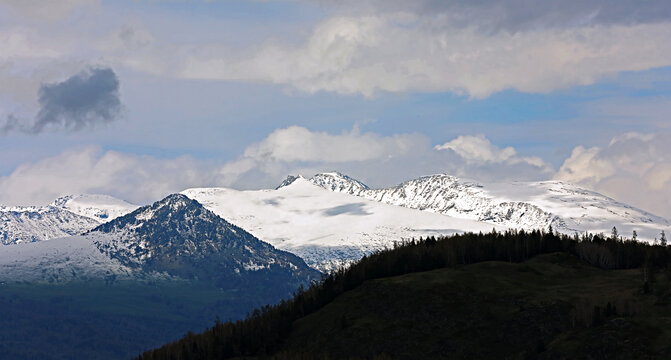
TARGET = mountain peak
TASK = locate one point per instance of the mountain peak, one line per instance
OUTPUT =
(289, 180)
(180, 236)
(174, 207)
(175, 201)
(336, 181)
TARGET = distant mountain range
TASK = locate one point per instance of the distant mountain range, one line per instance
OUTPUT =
(332, 219)
(67, 215)
(523, 205)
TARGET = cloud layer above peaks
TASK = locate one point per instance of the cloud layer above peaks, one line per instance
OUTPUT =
(375, 159)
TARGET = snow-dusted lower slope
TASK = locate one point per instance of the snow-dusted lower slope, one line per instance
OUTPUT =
(30, 224)
(59, 260)
(102, 208)
(526, 205)
(325, 228)
(68, 215)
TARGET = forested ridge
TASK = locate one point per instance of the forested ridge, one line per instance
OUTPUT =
(264, 332)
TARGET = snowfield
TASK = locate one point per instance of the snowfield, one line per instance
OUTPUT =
(325, 228)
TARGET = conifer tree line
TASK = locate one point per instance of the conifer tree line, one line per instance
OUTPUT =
(264, 330)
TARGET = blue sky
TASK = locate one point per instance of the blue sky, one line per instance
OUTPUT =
(243, 93)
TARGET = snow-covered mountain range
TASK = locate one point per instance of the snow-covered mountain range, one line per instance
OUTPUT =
(332, 219)
(524, 205)
(173, 239)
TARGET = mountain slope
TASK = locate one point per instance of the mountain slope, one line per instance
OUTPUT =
(325, 228)
(179, 236)
(525, 205)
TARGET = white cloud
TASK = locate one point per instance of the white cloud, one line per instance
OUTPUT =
(377, 160)
(297, 143)
(90, 170)
(634, 168)
(478, 149)
(297, 149)
(406, 52)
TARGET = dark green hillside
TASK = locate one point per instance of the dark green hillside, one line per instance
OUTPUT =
(541, 308)
(516, 295)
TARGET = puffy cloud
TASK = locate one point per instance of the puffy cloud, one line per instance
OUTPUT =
(298, 149)
(297, 143)
(634, 168)
(377, 160)
(480, 149)
(84, 100)
(140, 179)
(408, 52)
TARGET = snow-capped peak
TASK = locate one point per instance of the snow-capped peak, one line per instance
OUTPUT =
(289, 180)
(338, 182)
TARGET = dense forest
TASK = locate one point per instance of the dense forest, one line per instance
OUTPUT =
(265, 331)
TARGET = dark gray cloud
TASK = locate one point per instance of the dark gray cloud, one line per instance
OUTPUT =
(516, 15)
(85, 100)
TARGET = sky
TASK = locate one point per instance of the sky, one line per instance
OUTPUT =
(138, 99)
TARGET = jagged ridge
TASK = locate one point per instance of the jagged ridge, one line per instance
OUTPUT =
(527, 205)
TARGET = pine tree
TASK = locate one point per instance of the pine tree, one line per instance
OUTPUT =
(662, 239)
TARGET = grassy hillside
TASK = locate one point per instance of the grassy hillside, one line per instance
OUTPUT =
(511, 295)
